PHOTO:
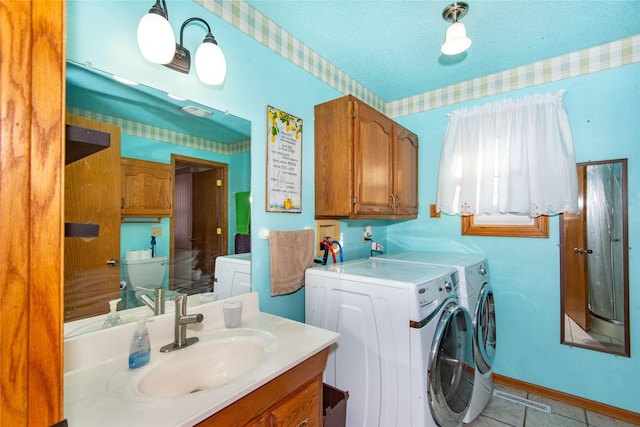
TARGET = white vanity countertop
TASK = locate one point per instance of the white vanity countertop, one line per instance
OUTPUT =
(92, 361)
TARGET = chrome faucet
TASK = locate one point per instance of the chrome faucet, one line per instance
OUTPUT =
(182, 319)
(158, 304)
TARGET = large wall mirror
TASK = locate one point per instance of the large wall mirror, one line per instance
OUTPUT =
(202, 150)
(594, 261)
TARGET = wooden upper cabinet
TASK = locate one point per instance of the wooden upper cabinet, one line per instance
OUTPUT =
(406, 172)
(366, 166)
(147, 189)
(372, 162)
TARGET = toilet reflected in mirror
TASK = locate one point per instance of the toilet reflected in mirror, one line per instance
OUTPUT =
(594, 261)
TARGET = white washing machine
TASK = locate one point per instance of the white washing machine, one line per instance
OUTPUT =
(476, 295)
(405, 352)
(232, 275)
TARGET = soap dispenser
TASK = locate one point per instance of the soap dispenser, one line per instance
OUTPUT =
(140, 350)
(113, 318)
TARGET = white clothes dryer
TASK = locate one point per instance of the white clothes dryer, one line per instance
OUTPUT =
(405, 352)
(476, 295)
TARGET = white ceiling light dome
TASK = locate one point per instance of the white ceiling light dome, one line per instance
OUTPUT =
(456, 40)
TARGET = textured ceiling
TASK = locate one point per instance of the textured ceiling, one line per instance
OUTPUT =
(393, 47)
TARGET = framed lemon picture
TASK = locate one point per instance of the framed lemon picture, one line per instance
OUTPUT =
(284, 162)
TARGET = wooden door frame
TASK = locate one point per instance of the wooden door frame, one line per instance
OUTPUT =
(32, 75)
(224, 205)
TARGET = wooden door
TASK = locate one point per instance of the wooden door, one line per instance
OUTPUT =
(92, 196)
(199, 230)
(207, 223)
(574, 271)
(373, 167)
(406, 172)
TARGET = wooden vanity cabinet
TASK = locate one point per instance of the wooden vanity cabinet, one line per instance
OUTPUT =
(147, 189)
(294, 399)
(366, 165)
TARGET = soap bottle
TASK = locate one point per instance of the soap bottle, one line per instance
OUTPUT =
(140, 350)
(113, 318)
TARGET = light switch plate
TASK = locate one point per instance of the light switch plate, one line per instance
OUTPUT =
(156, 231)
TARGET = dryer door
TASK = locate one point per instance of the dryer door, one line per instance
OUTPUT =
(451, 367)
(484, 337)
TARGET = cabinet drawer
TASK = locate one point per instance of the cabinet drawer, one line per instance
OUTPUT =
(300, 410)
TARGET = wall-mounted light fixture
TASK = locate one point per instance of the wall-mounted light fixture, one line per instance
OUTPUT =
(157, 44)
(456, 40)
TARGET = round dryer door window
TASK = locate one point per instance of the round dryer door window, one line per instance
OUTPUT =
(451, 368)
(484, 339)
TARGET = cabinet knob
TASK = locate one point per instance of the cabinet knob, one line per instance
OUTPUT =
(305, 423)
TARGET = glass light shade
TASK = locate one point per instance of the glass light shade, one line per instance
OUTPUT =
(211, 66)
(456, 40)
(156, 40)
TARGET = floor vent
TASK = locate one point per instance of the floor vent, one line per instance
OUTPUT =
(522, 401)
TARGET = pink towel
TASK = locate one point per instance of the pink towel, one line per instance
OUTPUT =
(291, 253)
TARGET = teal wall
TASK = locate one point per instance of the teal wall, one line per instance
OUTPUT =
(604, 110)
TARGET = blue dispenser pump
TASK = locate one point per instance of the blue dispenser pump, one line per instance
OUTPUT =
(140, 350)
(153, 246)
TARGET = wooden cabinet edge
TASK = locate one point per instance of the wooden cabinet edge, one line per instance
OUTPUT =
(257, 404)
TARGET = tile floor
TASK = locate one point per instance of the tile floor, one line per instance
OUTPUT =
(501, 412)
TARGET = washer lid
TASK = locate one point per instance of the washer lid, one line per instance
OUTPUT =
(383, 273)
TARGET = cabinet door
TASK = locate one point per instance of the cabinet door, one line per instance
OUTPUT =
(373, 162)
(146, 188)
(406, 173)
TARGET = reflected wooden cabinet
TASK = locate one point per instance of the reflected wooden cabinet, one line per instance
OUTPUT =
(366, 165)
(147, 189)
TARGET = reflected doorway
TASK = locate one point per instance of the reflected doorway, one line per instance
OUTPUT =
(199, 227)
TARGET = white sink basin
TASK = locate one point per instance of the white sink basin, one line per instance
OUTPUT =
(217, 359)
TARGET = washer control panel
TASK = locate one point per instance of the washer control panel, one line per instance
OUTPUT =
(431, 294)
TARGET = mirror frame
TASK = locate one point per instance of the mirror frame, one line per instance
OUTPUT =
(625, 265)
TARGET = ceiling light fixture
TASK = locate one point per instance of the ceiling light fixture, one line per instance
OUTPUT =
(456, 40)
(157, 44)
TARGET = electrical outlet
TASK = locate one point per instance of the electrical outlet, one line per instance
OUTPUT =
(156, 231)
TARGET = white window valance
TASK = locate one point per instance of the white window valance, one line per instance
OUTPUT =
(512, 156)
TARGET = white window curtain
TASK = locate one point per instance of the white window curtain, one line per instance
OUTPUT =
(514, 156)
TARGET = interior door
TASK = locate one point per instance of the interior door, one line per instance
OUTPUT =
(207, 222)
(92, 196)
(573, 247)
(199, 227)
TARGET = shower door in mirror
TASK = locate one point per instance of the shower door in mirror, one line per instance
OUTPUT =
(594, 265)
